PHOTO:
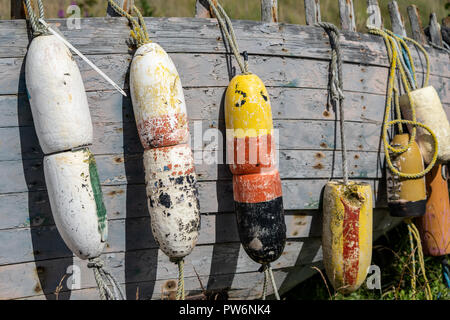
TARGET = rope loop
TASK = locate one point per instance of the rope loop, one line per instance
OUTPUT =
(393, 43)
(36, 26)
(227, 28)
(105, 280)
(139, 30)
(337, 86)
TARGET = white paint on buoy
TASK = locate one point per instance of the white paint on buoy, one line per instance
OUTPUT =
(76, 202)
(57, 96)
(158, 99)
(173, 199)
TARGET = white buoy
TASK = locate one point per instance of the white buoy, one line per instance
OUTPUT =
(172, 199)
(158, 100)
(57, 96)
(76, 201)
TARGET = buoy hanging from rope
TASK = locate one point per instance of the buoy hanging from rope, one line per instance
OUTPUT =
(347, 205)
(251, 149)
(434, 226)
(160, 111)
(63, 125)
(406, 176)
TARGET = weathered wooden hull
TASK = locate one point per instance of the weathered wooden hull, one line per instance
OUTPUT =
(293, 62)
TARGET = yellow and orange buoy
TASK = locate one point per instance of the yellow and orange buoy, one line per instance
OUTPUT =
(406, 197)
(256, 180)
(434, 226)
(347, 234)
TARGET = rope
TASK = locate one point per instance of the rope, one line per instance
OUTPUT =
(228, 30)
(139, 32)
(268, 276)
(446, 272)
(105, 280)
(412, 229)
(181, 294)
(337, 86)
(36, 26)
(396, 64)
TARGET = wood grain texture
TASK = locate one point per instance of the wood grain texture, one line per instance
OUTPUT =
(347, 15)
(269, 11)
(416, 25)
(373, 10)
(435, 30)
(398, 25)
(293, 62)
(203, 10)
(312, 12)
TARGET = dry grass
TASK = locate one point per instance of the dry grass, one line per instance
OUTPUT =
(290, 11)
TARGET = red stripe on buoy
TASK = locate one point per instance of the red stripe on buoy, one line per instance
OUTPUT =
(167, 130)
(252, 154)
(350, 239)
(254, 188)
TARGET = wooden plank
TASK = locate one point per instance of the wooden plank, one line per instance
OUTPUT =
(312, 12)
(347, 14)
(149, 265)
(416, 25)
(435, 30)
(269, 11)
(398, 25)
(17, 9)
(202, 9)
(109, 36)
(373, 10)
(126, 5)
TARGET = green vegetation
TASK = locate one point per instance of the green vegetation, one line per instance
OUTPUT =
(392, 254)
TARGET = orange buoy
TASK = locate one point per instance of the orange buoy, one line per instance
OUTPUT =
(406, 197)
(434, 226)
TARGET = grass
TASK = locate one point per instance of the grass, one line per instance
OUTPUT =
(393, 255)
(290, 11)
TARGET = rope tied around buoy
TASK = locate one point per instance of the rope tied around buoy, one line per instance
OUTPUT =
(337, 86)
(105, 280)
(268, 277)
(139, 32)
(392, 94)
(37, 27)
(228, 30)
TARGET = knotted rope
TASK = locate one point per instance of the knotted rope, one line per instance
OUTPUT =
(268, 276)
(337, 86)
(105, 280)
(36, 26)
(139, 32)
(396, 64)
(227, 28)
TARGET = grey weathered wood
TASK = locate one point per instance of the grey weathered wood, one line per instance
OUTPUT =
(416, 25)
(202, 9)
(126, 5)
(312, 12)
(347, 14)
(102, 36)
(17, 9)
(373, 10)
(269, 11)
(398, 25)
(435, 30)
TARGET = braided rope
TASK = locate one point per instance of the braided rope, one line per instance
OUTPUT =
(36, 26)
(181, 294)
(105, 280)
(268, 276)
(139, 30)
(395, 64)
(337, 86)
(228, 30)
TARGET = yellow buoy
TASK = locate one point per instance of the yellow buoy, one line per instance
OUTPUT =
(347, 234)
(406, 197)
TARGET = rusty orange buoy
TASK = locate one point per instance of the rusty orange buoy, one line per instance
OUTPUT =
(434, 226)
